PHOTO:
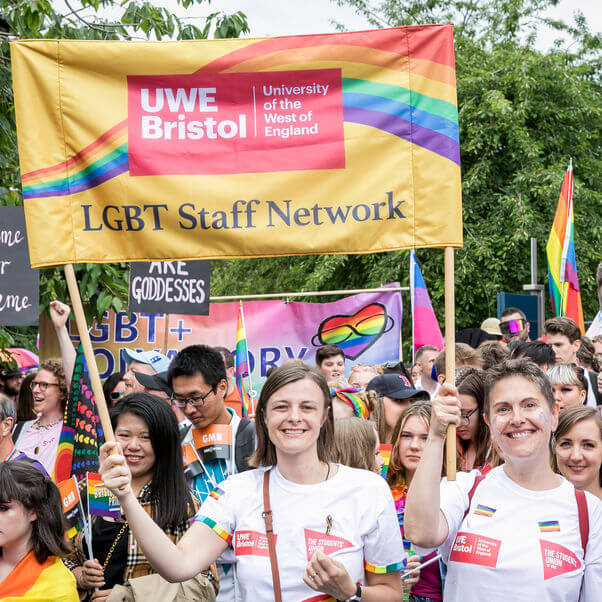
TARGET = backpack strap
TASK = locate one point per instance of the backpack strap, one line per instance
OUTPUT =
(583, 518)
(476, 483)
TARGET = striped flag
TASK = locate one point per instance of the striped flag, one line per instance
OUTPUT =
(425, 328)
(562, 263)
(242, 366)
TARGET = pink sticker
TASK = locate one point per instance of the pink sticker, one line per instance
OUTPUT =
(557, 559)
(314, 540)
(251, 543)
(475, 549)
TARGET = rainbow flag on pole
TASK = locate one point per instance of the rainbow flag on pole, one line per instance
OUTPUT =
(425, 328)
(562, 263)
(242, 366)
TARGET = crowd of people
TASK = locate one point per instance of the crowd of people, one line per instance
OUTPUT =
(291, 504)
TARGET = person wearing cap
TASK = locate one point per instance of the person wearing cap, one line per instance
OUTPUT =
(145, 362)
(492, 327)
(514, 325)
(392, 394)
(158, 385)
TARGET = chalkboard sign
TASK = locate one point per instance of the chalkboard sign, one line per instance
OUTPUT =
(19, 284)
(170, 287)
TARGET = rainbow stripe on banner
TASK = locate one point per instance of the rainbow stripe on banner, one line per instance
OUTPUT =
(242, 366)
(214, 527)
(424, 112)
(549, 526)
(562, 263)
(484, 510)
(102, 160)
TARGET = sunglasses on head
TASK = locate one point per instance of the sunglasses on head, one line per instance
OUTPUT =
(512, 326)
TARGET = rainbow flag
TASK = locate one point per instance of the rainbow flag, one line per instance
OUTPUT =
(549, 525)
(101, 502)
(35, 582)
(425, 328)
(562, 263)
(485, 510)
(81, 435)
(385, 452)
(242, 365)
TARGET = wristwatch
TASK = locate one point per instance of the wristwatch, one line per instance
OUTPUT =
(356, 597)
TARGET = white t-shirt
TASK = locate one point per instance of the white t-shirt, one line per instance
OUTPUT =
(364, 533)
(518, 544)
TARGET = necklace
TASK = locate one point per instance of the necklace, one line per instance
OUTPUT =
(37, 426)
(328, 473)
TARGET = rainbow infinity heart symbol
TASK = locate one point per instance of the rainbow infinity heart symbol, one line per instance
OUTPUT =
(355, 333)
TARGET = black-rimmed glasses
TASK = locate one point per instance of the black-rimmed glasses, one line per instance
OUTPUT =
(195, 401)
(43, 386)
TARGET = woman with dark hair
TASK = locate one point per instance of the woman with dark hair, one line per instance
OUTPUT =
(32, 537)
(25, 400)
(579, 448)
(324, 527)
(472, 434)
(147, 432)
(39, 438)
(114, 388)
(522, 532)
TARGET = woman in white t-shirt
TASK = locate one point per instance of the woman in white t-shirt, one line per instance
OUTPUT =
(522, 532)
(335, 527)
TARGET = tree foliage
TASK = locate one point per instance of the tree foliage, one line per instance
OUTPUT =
(102, 285)
(523, 114)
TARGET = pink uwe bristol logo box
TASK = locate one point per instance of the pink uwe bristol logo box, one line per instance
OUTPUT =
(230, 123)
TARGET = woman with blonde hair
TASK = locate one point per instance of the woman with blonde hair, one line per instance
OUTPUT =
(578, 448)
(298, 524)
(409, 437)
(356, 444)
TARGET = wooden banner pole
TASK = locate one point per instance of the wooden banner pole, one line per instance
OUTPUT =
(450, 356)
(166, 334)
(82, 328)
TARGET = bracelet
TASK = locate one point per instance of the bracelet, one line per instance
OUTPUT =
(356, 597)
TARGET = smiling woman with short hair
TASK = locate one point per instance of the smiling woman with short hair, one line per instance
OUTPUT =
(334, 527)
(522, 532)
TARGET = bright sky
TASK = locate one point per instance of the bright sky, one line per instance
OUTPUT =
(289, 17)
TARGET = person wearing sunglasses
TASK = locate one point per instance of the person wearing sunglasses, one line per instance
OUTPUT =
(114, 388)
(514, 325)
(39, 438)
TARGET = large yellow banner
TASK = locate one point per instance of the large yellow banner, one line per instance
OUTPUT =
(339, 143)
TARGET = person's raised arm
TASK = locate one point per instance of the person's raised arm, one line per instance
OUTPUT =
(59, 312)
(424, 523)
(199, 547)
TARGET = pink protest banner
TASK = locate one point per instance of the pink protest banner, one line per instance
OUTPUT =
(365, 326)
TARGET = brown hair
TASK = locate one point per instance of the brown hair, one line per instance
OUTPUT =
(396, 473)
(586, 354)
(354, 443)
(564, 326)
(465, 355)
(22, 482)
(55, 366)
(471, 381)
(492, 352)
(265, 454)
(569, 418)
(326, 351)
(519, 367)
(25, 400)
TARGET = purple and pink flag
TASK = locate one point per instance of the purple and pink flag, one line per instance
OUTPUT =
(425, 328)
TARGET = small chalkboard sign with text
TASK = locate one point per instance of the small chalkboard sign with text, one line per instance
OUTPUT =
(170, 287)
(19, 284)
